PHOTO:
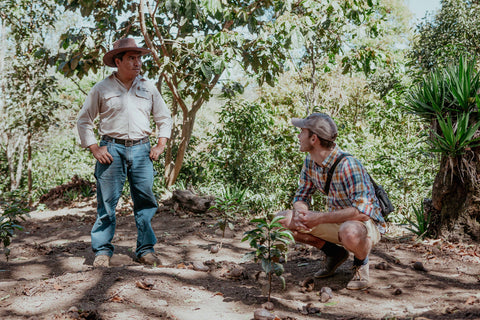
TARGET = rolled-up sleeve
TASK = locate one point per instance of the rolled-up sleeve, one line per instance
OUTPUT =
(86, 117)
(360, 192)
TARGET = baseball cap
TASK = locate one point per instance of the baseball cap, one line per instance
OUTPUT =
(319, 123)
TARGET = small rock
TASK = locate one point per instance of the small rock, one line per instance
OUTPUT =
(325, 294)
(262, 314)
(73, 309)
(397, 292)
(324, 297)
(214, 249)
(199, 266)
(268, 306)
(327, 290)
(73, 313)
(307, 285)
(382, 266)
(419, 266)
(309, 309)
(236, 272)
(209, 262)
(162, 303)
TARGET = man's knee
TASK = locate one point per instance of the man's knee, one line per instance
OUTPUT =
(352, 232)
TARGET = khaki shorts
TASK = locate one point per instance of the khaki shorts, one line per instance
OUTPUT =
(329, 231)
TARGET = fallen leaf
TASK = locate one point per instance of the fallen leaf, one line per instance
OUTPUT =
(6, 297)
(472, 300)
(116, 298)
(144, 285)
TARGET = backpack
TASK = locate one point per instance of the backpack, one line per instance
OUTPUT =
(382, 196)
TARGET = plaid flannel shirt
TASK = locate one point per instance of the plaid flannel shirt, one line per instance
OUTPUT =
(350, 186)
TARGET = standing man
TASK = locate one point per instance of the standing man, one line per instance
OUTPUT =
(353, 220)
(124, 102)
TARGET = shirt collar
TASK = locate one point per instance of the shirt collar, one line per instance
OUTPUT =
(328, 162)
(113, 77)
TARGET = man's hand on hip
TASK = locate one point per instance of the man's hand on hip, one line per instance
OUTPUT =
(101, 154)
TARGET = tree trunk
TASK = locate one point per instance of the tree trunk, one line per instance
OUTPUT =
(29, 165)
(187, 128)
(15, 153)
(455, 212)
(169, 161)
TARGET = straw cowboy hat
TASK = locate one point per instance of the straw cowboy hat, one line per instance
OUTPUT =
(122, 45)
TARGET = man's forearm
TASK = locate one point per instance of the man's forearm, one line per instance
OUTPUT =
(162, 142)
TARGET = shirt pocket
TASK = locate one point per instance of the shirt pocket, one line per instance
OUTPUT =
(144, 99)
(111, 101)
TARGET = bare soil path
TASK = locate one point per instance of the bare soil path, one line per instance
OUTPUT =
(49, 275)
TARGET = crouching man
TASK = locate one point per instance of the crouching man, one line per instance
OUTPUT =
(354, 222)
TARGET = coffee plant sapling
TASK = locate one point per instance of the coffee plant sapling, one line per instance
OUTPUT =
(229, 204)
(270, 241)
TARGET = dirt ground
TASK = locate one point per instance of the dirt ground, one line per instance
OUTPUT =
(49, 275)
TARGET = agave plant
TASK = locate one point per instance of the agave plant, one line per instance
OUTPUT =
(427, 99)
(463, 82)
(420, 225)
(455, 138)
(448, 100)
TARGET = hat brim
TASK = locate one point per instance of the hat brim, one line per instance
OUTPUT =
(108, 57)
(299, 123)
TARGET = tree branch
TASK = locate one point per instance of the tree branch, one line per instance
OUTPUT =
(156, 57)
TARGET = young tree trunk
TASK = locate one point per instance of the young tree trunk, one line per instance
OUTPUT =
(172, 172)
(29, 165)
(456, 199)
(15, 152)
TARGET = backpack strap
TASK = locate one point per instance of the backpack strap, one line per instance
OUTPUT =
(332, 170)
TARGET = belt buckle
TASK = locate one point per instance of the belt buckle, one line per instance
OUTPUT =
(129, 143)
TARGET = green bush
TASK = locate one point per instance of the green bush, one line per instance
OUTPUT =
(13, 208)
(255, 149)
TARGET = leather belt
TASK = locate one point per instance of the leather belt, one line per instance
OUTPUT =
(126, 143)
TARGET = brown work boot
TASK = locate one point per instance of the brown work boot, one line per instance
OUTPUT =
(360, 278)
(332, 263)
(101, 261)
(150, 259)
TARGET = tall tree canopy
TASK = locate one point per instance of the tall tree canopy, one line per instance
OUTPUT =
(195, 41)
(28, 91)
(452, 32)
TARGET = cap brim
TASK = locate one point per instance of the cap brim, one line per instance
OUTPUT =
(108, 57)
(299, 123)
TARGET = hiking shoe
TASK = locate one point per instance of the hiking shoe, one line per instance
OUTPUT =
(101, 261)
(150, 259)
(332, 263)
(360, 278)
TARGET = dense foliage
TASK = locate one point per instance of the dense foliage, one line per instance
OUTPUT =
(341, 57)
(454, 31)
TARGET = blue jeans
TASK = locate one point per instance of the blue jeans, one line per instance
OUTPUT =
(134, 163)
